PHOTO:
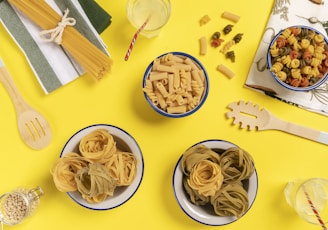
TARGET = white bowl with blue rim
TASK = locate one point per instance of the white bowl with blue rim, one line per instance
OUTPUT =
(125, 142)
(204, 214)
(315, 85)
(202, 100)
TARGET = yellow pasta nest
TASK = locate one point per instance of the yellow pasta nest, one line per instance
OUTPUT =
(205, 177)
(98, 171)
(216, 179)
(64, 171)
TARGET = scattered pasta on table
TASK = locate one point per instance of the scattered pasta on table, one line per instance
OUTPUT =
(216, 41)
(230, 16)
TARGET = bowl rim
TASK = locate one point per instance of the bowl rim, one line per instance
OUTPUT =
(186, 205)
(299, 89)
(202, 101)
(76, 196)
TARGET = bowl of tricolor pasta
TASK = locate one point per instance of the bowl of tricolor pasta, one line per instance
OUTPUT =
(100, 167)
(298, 58)
(215, 182)
(175, 84)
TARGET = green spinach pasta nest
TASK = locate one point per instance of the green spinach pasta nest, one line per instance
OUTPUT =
(217, 178)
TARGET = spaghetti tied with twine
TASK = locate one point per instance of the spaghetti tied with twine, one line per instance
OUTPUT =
(92, 60)
(57, 32)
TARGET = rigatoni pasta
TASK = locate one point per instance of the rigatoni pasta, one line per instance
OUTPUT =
(175, 84)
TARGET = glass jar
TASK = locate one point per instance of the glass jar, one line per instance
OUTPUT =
(19, 204)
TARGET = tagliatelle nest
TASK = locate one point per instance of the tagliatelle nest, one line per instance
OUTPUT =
(94, 183)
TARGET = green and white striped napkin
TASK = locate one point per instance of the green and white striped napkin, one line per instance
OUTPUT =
(53, 66)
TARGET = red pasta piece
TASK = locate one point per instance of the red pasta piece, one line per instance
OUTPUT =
(216, 42)
(293, 54)
(307, 55)
(304, 82)
(325, 53)
(295, 82)
(325, 62)
(322, 68)
(295, 30)
(281, 42)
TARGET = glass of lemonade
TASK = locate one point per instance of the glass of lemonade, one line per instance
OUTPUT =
(158, 12)
(317, 190)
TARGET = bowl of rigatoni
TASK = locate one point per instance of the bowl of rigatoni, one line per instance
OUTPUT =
(175, 84)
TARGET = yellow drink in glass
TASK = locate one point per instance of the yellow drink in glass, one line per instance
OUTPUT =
(158, 12)
(317, 189)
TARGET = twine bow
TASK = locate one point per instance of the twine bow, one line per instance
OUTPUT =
(57, 32)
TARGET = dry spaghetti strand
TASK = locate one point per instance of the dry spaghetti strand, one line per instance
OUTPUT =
(92, 60)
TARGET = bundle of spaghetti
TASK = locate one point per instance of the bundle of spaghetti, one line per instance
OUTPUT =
(194, 196)
(92, 60)
(98, 146)
(196, 154)
(122, 166)
(236, 164)
(64, 171)
(205, 177)
(95, 183)
(230, 200)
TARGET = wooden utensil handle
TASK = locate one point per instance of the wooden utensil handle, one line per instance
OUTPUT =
(11, 88)
(306, 132)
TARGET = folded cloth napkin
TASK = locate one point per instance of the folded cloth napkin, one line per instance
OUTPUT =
(290, 13)
(48, 59)
(99, 18)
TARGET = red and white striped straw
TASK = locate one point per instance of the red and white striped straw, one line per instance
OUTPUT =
(315, 211)
(127, 55)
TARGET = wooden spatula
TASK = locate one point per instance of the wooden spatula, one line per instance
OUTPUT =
(33, 127)
(251, 116)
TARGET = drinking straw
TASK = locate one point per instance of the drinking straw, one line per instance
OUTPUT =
(315, 211)
(135, 38)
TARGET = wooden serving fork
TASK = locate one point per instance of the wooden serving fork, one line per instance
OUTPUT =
(32, 126)
(251, 116)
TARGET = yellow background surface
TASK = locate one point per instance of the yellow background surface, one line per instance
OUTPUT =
(118, 100)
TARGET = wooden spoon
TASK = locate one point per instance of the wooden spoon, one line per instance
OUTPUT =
(251, 116)
(33, 127)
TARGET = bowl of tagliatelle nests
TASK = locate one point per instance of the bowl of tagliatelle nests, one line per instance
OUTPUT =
(215, 182)
(100, 167)
(298, 58)
(175, 84)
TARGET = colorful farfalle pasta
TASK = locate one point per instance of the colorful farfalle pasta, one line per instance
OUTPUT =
(298, 56)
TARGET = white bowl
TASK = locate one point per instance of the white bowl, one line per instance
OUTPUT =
(203, 98)
(126, 142)
(323, 79)
(205, 214)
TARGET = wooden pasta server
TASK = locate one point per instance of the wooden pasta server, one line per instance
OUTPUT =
(33, 127)
(251, 116)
